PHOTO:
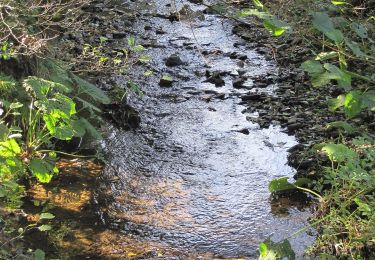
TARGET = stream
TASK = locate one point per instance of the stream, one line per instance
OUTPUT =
(194, 176)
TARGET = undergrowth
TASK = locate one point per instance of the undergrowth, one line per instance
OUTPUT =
(41, 103)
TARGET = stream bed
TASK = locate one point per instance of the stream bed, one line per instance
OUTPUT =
(194, 176)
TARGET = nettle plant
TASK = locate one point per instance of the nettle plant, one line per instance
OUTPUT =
(34, 114)
(347, 42)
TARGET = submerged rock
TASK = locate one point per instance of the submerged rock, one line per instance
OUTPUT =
(173, 61)
(239, 83)
(215, 78)
(166, 81)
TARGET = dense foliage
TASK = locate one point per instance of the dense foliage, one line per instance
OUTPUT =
(41, 102)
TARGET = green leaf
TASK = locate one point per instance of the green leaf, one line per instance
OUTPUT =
(338, 2)
(144, 58)
(354, 46)
(39, 254)
(4, 132)
(138, 48)
(148, 73)
(360, 30)
(7, 82)
(11, 165)
(62, 103)
(321, 79)
(353, 104)
(363, 207)
(274, 26)
(94, 92)
(103, 39)
(323, 23)
(326, 55)
(41, 88)
(52, 70)
(262, 249)
(280, 250)
(312, 67)
(9, 148)
(87, 105)
(84, 125)
(343, 78)
(167, 77)
(335, 103)
(46, 215)
(258, 4)
(131, 41)
(78, 128)
(59, 124)
(368, 100)
(43, 170)
(339, 152)
(282, 184)
(15, 105)
(342, 125)
(44, 228)
(335, 35)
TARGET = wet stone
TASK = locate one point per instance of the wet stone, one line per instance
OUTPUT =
(165, 82)
(295, 126)
(244, 131)
(173, 61)
(239, 83)
(216, 79)
(253, 96)
(160, 31)
(196, 1)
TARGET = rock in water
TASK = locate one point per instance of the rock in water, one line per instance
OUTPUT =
(173, 61)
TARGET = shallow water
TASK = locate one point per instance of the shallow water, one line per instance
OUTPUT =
(189, 177)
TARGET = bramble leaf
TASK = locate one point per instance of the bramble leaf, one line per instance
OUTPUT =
(44, 228)
(353, 104)
(43, 170)
(323, 23)
(348, 128)
(339, 152)
(46, 215)
(335, 103)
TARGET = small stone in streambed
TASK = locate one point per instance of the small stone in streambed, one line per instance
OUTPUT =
(239, 83)
(196, 1)
(253, 96)
(216, 79)
(166, 81)
(244, 131)
(220, 96)
(160, 31)
(295, 126)
(173, 61)
(242, 57)
(297, 147)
